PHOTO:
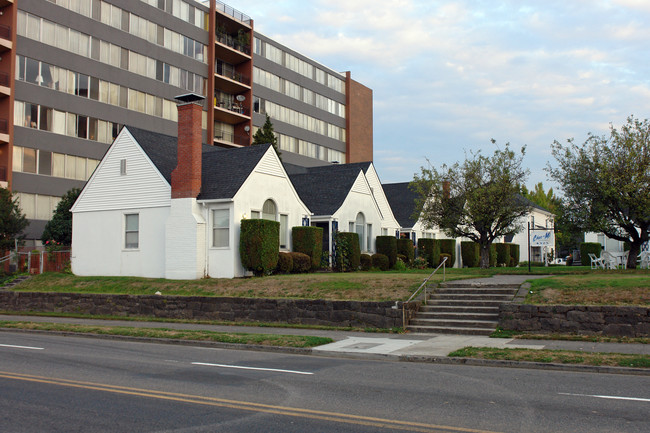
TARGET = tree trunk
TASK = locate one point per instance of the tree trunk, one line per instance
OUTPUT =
(635, 248)
(485, 256)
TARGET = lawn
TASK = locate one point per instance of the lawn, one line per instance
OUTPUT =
(578, 284)
(630, 287)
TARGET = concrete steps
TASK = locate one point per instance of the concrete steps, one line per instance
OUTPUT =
(463, 308)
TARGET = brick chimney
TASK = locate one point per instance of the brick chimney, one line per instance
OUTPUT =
(186, 177)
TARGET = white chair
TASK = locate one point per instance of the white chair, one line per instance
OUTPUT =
(644, 260)
(596, 262)
(609, 261)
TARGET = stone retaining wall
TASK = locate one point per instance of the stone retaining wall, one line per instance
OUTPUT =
(576, 319)
(295, 311)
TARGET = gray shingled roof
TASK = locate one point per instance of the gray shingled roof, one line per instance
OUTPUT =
(324, 189)
(402, 202)
(223, 171)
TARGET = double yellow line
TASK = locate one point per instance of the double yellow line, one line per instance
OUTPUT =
(244, 405)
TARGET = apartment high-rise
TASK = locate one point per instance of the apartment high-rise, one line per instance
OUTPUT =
(72, 72)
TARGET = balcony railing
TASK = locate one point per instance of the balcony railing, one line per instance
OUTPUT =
(228, 71)
(232, 42)
(229, 137)
(228, 10)
(234, 107)
(5, 32)
(4, 79)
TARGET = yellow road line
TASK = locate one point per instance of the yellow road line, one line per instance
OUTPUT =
(244, 405)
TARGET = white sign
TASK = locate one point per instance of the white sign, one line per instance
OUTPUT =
(541, 238)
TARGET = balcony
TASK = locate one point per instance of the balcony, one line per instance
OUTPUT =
(231, 140)
(230, 113)
(228, 80)
(234, 50)
(5, 38)
(230, 11)
(5, 90)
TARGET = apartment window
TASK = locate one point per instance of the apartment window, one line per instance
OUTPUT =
(131, 231)
(220, 228)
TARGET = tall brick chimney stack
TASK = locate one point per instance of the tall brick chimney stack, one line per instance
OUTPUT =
(186, 177)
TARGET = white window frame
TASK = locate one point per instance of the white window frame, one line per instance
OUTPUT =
(131, 246)
(225, 228)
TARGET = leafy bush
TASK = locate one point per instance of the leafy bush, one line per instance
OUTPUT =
(429, 249)
(348, 253)
(381, 261)
(514, 254)
(442, 257)
(365, 262)
(589, 247)
(420, 263)
(405, 248)
(470, 253)
(401, 257)
(448, 246)
(259, 242)
(301, 263)
(400, 265)
(285, 263)
(308, 240)
(387, 245)
(503, 254)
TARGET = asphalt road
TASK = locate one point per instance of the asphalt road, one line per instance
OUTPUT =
(70, 384)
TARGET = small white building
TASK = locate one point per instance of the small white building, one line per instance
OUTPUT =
(145, 212)
(542, 235)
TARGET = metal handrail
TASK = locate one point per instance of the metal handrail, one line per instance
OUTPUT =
(426, 280)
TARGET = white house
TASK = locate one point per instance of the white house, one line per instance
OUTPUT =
(542, 234)
(145, 212)
(340, 198)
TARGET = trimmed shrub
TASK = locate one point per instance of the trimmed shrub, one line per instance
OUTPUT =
(420, 263)
(514, 254)
(503, 254)
(380, 261)
(285, 263)
(301, 263)
(589, 247)
(259, 242)
(493, 255)
(308, 240)
(405, 248)
(387, 245)
(426, 251)
(470, 253)
(442, 257)
(348, 253)
(365, 262)
(448, 246)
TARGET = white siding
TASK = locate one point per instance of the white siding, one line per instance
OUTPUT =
(185, 233)
(389, 220)
(269, 164)
(361, 185)
(142, 186)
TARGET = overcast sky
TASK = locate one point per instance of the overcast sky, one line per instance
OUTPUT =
(447, 76)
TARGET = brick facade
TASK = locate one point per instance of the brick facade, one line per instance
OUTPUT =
(186, 177)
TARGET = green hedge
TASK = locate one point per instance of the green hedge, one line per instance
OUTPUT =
(348, 253)
(381, 261)
(514, 254)
(503, 254)
(442, 257)
(470, 252)
(308, 240)
(302, 263)
(387, 245)
(365, 262)
(285, 263)
(405, 248)
(259, 244)
(448, 246)
(589, 247)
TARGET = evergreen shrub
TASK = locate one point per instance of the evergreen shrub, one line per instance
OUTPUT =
(259, 244)
(405, 248)
(308, 240)
(348, 253)
(470, 253)
(387, 245)
(448, 246)
(381, 261)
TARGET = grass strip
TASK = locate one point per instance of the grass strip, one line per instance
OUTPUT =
(506, 333)
(175, 334)
(555, 356)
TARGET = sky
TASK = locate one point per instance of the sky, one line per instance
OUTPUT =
(449, 76)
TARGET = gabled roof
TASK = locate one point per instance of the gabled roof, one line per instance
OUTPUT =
(223, 171)
(402, 202)
(324, 189)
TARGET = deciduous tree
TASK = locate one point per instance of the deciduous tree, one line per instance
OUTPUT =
(606, 183)
(12, 220)
(478, 199)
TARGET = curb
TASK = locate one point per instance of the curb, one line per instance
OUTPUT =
(442, 360)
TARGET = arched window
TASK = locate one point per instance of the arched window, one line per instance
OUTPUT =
(269, 210)
(359, 228)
